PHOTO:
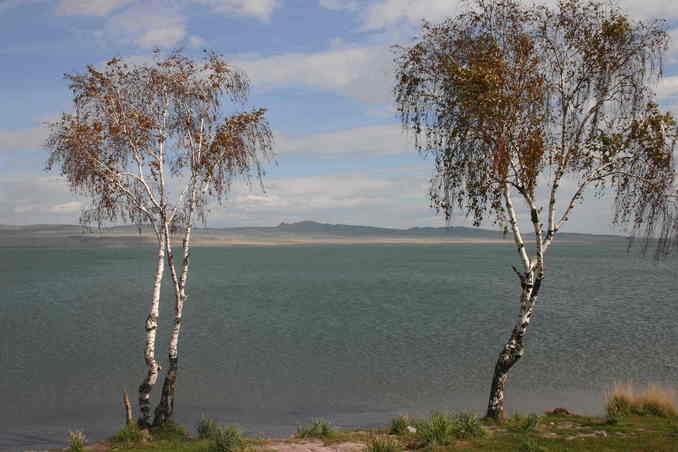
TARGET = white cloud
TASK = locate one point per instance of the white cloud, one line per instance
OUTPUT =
(34, 197)
(22, 139)
(389, 12)
(195, 41)
(650, 9)
(89, 7)
(67, 207)
(667, 89)
(395, 198)
(360, 72)
(9, 4)
(673, 46)
(372, 140)
(146, 26)
(338, 5)
(261, 9)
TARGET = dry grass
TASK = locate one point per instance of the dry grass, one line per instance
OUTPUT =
(653, 400)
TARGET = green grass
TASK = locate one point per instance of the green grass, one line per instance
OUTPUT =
(523, 424)
(227, 439)
(399, 425)
(171, 431)
(129, 434)
(384, 444)
(443, 429)
(319, 428)
(207, 428)
(441, 432)
(438, 430)
(530, 445)
(468, 426)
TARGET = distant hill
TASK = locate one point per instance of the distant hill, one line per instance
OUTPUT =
(312, 227)
(75, 236)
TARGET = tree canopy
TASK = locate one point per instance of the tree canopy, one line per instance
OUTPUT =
(527, 96)
(134, 127)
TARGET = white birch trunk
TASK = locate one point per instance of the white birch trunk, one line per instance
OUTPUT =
(151, 332)
(514, 348)
(530, 284)
(165, 409)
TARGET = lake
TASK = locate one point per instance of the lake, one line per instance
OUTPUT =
(275, 336)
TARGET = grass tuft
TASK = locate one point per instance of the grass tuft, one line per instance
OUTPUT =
(530, 445)
(171, 431)
(319, 428)
(227, 439)
(207, 428)
(613, 418)
(76, 441)
(652, 400)
(384, 444)
(399, 425)
(438, 430)
(523, 424)
(467, 426)
(129, 434)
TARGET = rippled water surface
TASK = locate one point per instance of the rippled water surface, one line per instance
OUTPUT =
(275, 336)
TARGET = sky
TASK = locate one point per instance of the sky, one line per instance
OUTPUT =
(322, 68)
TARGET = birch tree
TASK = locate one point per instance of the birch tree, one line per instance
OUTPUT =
(151, 145)
(526, 110)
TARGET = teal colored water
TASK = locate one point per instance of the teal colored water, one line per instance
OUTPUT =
(275, 336)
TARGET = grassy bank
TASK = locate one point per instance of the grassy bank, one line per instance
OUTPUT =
(636, 419)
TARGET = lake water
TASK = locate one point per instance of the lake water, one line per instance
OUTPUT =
(275, 336)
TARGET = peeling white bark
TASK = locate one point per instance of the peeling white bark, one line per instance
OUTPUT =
(151, 333)
(530, 283)
(165, 409)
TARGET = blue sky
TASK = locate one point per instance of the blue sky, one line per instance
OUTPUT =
(323, 68)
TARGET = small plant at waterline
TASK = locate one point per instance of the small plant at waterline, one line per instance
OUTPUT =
(207, 428)
(399, 425)
(440, 429)
(319, 428)
(436, 431)
(652, 400)
(227, 439)
(384, 444)
(467, 426)
(171, 431)
(129, 434)
(76, 441)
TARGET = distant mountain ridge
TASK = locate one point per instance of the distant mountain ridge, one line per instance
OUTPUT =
(350, 230)
(66, 236)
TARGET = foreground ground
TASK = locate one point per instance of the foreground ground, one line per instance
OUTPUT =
(550, 432)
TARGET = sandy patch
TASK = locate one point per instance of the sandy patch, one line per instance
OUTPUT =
(313, 446)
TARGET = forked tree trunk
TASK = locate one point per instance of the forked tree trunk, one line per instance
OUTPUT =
(165, 409)
(149, 350)
(513, 349)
